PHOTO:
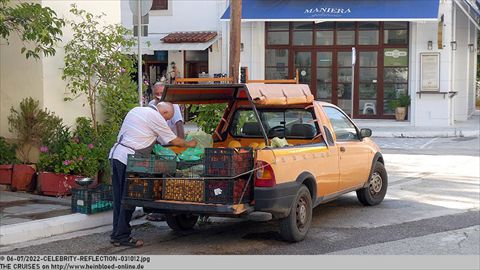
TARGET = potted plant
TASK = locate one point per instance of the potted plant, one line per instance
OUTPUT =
(29, 123)
(400, 106)
(63, 159)
(7, 159)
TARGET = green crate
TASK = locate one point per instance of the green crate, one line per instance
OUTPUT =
(92, 200)
(152, 164)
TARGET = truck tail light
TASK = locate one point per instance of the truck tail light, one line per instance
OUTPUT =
(264, 176)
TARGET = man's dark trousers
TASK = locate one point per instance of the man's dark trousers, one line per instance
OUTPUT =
(121, 216)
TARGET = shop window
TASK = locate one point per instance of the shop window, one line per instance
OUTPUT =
(278, 33)
(395, 33)
(368, 33)
(345, 33)
(324, 76)
(303, 33)
(324, 33)
(395, 76)
(276, 64)
(159, 5)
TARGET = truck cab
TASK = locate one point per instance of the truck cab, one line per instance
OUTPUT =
(326, 155)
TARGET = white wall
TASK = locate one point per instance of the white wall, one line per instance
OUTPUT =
(253, 55)
(430, 109)
(41, 79)
(462, 71)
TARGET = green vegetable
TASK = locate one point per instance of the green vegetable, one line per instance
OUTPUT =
(277, 142)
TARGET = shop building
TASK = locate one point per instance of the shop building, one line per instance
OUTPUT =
(360, 55)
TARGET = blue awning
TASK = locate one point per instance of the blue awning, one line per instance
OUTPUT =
(338, 10)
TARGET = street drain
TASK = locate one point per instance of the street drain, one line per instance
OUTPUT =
(270, 235)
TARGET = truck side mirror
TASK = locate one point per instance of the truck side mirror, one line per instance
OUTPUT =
(365, 132)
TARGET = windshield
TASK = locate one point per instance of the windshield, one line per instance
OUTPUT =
(291, 123)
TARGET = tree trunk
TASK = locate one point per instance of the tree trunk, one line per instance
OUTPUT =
(235, 38)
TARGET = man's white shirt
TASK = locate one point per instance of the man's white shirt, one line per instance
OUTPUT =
(140, 128)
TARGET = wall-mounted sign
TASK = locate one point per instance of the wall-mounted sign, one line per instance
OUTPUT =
(430, 71)
(395, 57)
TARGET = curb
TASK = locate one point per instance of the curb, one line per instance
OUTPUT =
(426, 134)
(33, 230)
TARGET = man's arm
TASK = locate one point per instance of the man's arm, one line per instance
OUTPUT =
(182, 143)
(180, 129)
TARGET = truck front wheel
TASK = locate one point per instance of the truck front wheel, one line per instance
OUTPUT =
(375, 192)
(181, 222)
(295, 227)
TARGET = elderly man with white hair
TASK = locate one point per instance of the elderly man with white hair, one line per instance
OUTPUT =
(141, 129)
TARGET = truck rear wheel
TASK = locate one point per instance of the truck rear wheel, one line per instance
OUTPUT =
(374, 193)
(295, 227)
(181, 222)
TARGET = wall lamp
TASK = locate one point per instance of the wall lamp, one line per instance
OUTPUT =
(430, 45)
(471, 47)
(453, 44)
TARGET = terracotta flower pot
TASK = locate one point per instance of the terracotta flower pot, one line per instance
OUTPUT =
(400, 113)
(6, 174)
(23, 177)
(57, 184)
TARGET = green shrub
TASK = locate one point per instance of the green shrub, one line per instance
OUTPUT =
(31, 124)
(208, 116)
(7, 152)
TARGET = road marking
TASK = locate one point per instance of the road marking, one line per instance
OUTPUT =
(428, 143)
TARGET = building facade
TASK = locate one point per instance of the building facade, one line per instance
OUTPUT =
(359, 55)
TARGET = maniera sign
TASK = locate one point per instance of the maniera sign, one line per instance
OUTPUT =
(327, 11)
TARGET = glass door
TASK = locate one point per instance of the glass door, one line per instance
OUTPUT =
(303, 62)
(343, 83)
(366, 83)
(324, 75)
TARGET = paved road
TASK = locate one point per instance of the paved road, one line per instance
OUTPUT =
(432, 207)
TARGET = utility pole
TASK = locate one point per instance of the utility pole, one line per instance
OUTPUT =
(235, 38)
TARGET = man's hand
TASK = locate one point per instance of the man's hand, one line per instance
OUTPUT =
(182, 143)
(191, 143)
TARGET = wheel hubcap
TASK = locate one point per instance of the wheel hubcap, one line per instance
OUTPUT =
(301, 211)
(375, 183)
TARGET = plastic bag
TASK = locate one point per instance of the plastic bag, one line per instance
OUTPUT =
(192, 154)
(277, 142)
(203, 139)
(165, 153)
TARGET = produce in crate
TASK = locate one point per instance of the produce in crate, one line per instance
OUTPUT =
(234, 144)
(184, 190)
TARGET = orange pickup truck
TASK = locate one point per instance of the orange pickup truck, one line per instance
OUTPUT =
(327, 156)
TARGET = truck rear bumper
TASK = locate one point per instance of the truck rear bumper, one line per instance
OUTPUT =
(277, 200)
(187, 207)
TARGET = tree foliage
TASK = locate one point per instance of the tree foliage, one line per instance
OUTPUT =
(38, 27)
(96, 65)
(208, 116)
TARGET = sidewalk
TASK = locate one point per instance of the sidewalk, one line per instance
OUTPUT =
(397, 129)
(403, 129)
(25, 217)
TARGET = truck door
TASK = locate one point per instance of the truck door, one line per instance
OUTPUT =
(353, 154)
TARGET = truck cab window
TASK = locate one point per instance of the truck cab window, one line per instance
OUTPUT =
(290, 124)
(342, 126)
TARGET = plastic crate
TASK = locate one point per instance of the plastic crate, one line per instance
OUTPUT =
(144, 189)
(152, 164)
(92, 200)
(184, 190)
(228, 191)
(228, 162)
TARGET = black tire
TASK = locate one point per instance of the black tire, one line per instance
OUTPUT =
(375, 192)
(295, 227)
(181, 222)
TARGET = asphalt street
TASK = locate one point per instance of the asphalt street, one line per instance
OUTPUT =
(432, 207)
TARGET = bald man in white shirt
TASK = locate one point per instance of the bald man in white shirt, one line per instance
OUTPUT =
(141, 129)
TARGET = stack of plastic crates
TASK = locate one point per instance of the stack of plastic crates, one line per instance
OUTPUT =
(92, 200)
